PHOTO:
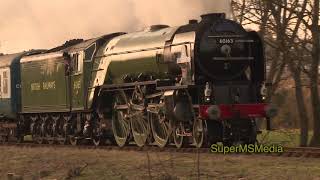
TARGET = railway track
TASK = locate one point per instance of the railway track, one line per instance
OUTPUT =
(305, 152)
(113, 147)
(301, 152)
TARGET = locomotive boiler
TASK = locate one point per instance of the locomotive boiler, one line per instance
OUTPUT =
(195, 84)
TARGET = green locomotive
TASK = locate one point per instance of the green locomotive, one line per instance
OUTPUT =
(194, 84)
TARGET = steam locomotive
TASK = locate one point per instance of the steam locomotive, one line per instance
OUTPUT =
(195, 84)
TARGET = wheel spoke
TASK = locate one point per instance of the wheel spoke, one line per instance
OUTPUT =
(140, 129)
(160, 129)
(120, 124)
(120, 129)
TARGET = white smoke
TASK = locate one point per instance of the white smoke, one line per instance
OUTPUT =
(31, 24)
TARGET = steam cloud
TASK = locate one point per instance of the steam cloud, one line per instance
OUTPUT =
(32, 24)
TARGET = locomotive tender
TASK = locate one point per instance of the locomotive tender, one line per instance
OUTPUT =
(194, 84)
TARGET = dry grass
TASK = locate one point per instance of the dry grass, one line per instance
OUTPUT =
(66, 163)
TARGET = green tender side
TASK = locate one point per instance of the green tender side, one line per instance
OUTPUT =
(10, 103)
(44, 85)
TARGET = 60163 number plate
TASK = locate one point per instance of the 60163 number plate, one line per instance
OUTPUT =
(226, 41)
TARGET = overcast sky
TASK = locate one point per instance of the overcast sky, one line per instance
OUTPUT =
(31, 24)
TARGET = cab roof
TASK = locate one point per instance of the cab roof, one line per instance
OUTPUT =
(8, 59)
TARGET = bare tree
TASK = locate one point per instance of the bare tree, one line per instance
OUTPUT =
(314, 80)
(256, 13)
(283, 20)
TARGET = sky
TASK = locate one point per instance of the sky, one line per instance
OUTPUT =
(42, 24)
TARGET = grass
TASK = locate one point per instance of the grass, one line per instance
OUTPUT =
(61, 163)
(285, 137)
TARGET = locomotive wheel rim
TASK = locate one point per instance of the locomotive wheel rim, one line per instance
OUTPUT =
(140, 129)
(96, 140)
(179, 141)
(120, 123)
(199, 129)
(120, 128)
(160, 130)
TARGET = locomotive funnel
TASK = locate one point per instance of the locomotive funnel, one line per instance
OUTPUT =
(213, 16)
(193, 21)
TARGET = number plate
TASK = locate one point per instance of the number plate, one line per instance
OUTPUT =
(226, 41)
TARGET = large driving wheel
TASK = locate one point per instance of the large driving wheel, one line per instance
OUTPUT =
(139, 122)
(120, 120)
(140, 129)
(160, 125)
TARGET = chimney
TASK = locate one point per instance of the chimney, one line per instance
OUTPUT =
(193, 21)
(213, 16)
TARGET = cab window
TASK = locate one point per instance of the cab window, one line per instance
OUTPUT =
(89, 52)
(5, 82)
(76, 63)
